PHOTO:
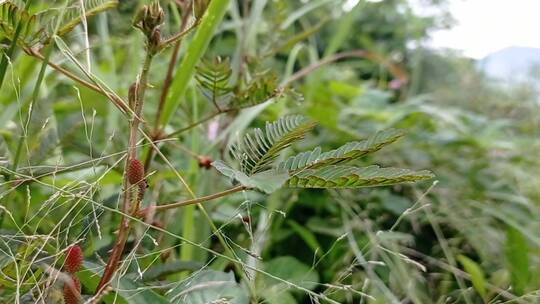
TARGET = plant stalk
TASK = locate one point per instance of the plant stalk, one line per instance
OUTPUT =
(124, 228)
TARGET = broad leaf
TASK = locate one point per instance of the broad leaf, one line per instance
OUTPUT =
(257, 150)
(209, 286)
(345, 153)
(353, 177)
(293, 271)
(163, 270)
(517, 256)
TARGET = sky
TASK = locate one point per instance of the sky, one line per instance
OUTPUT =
(486, 26)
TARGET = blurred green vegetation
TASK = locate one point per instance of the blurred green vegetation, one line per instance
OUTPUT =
(471, 235)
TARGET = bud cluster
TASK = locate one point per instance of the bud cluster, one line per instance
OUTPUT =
(148, 19)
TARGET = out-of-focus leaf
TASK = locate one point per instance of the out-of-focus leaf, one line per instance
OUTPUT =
(518, 259)
(162, 270)
(209, 286)
(291, 270)
(307, 236)
(477, 275)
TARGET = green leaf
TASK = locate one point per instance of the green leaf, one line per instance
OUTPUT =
(40, 27)
(476, 273)
(12, 16)
(345, 153)
(266, 181)
(196, 49)
(209, 286)
(257, 150)
(162, 270)
(308, 237)
(353, 177)
(259, 90)
(518, 259)
(290, 269)
(72, 14)
(213, 78)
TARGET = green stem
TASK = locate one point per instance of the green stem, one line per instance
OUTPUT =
(35, 96)
(188, 233)
(196, 49)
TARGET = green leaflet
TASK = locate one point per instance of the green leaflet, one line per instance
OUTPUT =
(73, 15)
(40, 27)
(345, 153)
(333, 176)
(266, 181)
(257, 150)
(213, 78)
(11, 16)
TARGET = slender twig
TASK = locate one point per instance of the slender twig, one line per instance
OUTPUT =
(196, 123)
(396, 71)
(117, 101)
(167, 84)
(193, 201)
(177, 37)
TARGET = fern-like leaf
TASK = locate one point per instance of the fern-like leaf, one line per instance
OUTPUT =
(350, 151)
(38, 28)
(257, 150)
(71, 16)
(213, 79)
(13, 16)
(353, 177)
(258, 91)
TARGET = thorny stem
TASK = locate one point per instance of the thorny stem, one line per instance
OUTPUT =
(188, 202)
(123, 229)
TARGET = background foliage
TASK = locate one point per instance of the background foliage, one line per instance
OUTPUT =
(468, 236)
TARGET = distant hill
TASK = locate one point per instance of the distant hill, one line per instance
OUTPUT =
(513, 64)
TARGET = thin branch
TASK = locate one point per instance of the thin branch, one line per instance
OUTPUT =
(196, 123)
(117, 101)
(167, 84)
(179, 204)
(396, 71)
(177, 37)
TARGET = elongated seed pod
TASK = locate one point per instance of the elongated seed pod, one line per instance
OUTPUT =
(135, 171)
(72, 291)
(74, 258)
